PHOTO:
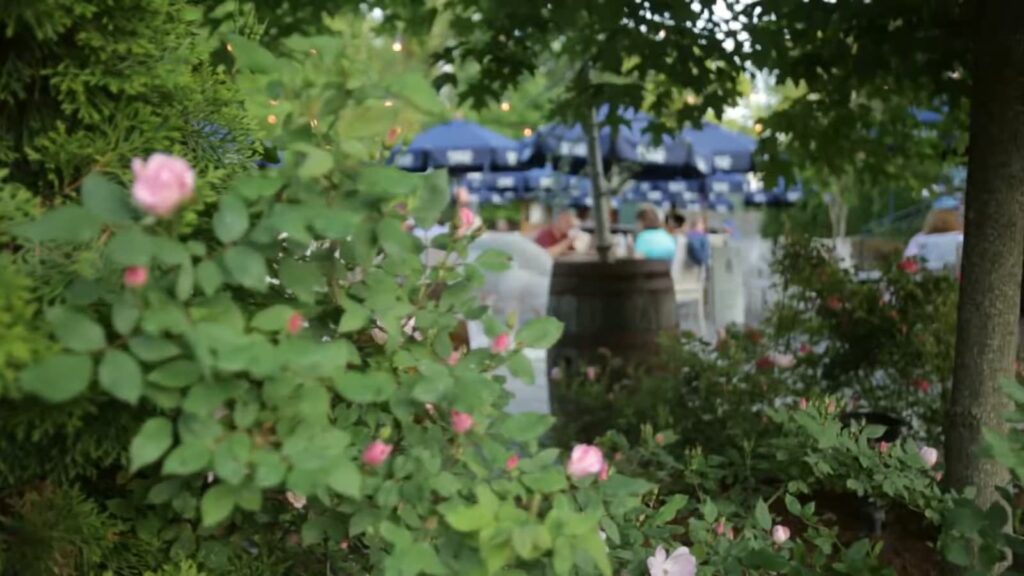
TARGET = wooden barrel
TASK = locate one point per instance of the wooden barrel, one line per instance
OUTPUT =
(624, 306)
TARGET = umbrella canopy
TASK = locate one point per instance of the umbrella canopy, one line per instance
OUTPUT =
(655, 156)
(717, 149)
(460, 146)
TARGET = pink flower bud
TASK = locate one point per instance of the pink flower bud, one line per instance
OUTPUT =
(922, 385)
(295, 323)
(883, 447)
(938, 476)
(909, 265)
(780, 534)
(298, 501)
(454, 358)
(659, 439)
(461, 422)
(430, 409)
(603, 474)
(512, 463)
(720, 527)
(136, 276)
(161, 183)
(585, 460)
(376, 453)
(500, 343)
(556, 374)
(803, 403)
(592, 373)
(343, 544)
(929, 455)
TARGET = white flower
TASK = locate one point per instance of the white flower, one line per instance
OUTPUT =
(780, 534)
(298, 501)
(782, 360)
(680, 563)
(929, 456)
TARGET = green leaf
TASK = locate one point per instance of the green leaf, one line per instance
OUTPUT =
(217, 504)
(131, 247)
(269, 468)
(316, 163)
(185, 283)
(209, 277)
(548, 481)
(302, 278)
(153, 348)
(150, 443)
(345, 479)
(121, 376)
(187, 458)
(250, 56)
(431, 201)
(525, 426)
(255, 186)
(65, 224)
(762, 515)
(231, 459)
(763, 559)
(105, 199)
(431, 387)
(493, 260)
(365, 388)
(58, 378)
(175, 374)
(272, 319)
(519, 366)
(793, 506)
(541, 333)
(355, 317)
(76, 331)
(417, 91)
(249, 498)
(124, 315)
(231, 220)
(247, 267)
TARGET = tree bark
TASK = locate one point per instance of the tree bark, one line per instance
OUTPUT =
(602, 213)
(992, 267)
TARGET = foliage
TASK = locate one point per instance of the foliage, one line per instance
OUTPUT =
(887, 343)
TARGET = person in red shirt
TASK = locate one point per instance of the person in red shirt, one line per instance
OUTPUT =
(558, 236)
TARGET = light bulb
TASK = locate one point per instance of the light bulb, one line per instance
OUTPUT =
(313, 123)
(271, 119)
(388, 103)
(527, 132)
(758, 127)
(396, 46)
(505, 106)
(229, 47)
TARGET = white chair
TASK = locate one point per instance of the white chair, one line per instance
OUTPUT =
(689, 283)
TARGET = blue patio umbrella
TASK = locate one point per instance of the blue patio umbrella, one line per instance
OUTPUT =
(460, 146)
(655, 156)
(728, 183)
(718, 149)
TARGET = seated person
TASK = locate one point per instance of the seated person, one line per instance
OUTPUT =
(559, 236)
(653, 242)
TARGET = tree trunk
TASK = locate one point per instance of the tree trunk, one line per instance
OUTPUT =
(991, 269)
(602, 212)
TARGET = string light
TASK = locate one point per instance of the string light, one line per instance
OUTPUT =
(396, 46)
(312, 52)
(271, 119)
(527, 132)
(662, 34)
(229, 47)
(758, 127)
(274, 101)
(505, 106)
(388, 103)
(313, 123)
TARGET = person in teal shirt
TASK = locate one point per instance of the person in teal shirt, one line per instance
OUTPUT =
(653, 242)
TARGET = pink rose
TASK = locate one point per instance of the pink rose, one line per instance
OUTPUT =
(454, 358)
(500, 343)
(136, 276)
(592, 373)
(295, 323)
(585, 460)
(929, 455)
(343, 544)
(512, 463)
(466, 220)
(780, 534)
(461, 422)
(162, 183)
(680, 563)
(298, 501)
(376, 453)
